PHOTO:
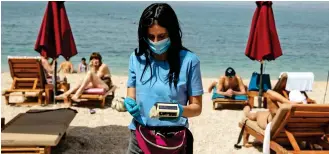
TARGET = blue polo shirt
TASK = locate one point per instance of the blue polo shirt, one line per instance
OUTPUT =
(153, 88)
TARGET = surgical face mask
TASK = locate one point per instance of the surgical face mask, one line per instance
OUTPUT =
(159, 47)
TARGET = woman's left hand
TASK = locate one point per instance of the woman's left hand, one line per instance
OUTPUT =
(154, 113)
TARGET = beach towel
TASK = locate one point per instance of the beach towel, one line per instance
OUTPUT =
(267, 139)
(297, 96)
(301, 81)
(235, 97)
(255, 79)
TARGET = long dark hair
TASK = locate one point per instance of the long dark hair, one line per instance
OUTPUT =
(165, 17)
(96, 55)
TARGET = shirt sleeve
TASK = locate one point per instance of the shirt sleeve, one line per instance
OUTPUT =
(131, 72)
(194, 79)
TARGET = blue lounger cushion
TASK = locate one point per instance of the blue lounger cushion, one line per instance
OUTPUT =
(235, 97)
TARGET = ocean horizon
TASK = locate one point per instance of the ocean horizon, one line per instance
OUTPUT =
(216, 31)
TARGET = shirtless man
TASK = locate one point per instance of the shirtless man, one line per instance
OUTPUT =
(66, 66)
(98, 76)
(229, 85)
(48, 67)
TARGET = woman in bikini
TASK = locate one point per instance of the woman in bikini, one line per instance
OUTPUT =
(98, 76)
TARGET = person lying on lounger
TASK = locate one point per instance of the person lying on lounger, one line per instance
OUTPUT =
(229, 85)
(98, 76)
(264, 117)
(280, 87)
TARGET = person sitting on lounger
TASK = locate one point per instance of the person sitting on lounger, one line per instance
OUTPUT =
(48, 67)
(66, 66)
(98, 76)
(229, 85)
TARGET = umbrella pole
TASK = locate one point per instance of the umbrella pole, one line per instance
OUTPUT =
(260, 85)
(325, 93)
(55, 80)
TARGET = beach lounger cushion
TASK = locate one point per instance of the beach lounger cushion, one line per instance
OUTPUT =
(98, 91)
(255, 79)
(235, 97)
(37, 127)
(301, 81)
(253, 125)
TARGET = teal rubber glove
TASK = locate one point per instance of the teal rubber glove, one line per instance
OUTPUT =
(133, 108)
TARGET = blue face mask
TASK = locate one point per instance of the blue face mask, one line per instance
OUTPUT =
(159, 47)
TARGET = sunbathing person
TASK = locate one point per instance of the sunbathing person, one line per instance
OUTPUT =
(98, 76)
(280, 87)
(229, 85)
(264, 117)
(66, 66)
(48, 67)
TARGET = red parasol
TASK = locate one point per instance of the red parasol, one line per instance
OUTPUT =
(55, 36)
(263, 42)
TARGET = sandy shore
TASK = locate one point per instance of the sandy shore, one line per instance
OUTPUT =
(107, 132)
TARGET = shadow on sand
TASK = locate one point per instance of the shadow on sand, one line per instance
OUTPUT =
(229, 107)
(112, 139)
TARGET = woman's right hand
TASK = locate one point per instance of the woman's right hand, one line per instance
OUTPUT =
(133, 108)
(91, 66)
(91, 63)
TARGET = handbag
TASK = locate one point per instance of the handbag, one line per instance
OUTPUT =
(161, 140)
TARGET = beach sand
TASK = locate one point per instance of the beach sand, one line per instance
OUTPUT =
(214, 131)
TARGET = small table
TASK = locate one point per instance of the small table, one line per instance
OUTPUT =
(252, 94)
(49, 89)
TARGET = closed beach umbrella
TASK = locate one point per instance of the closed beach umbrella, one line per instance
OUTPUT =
(263, 43)
(55, 36)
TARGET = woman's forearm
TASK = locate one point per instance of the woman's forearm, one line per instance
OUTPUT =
(131, 92)
(192, 110)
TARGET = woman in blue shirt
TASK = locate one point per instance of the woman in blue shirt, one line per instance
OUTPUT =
(161, 70)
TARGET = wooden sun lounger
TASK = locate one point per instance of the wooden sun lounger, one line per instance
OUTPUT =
(28, 76)
(253, 94)
(227, 101)
(95, 97)
(36, 131)
(294, 123)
